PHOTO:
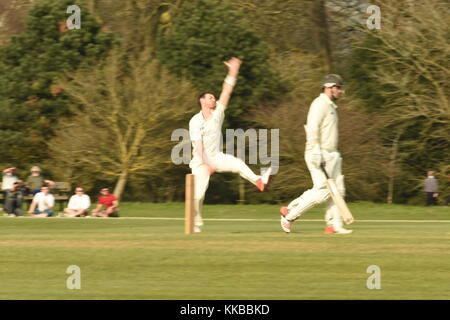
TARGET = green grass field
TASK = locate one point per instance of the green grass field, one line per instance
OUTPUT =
(140, 257)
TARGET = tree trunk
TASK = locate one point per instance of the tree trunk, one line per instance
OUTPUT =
(93, 6)
(322, 33)
(391, 171)
(120, 185)
(241, 191)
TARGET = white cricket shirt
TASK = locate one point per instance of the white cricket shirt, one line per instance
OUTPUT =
(322, 124)
(79, 202)
(44, 201)
(208, 131)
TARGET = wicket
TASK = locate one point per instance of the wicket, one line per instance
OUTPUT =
(189, 205)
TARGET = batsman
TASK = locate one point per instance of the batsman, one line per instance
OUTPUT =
(205, 131)
(321, 154)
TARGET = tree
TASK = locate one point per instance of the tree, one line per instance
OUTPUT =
(407, 81)
(135, 22)
(12, 15)
(204, 34)
(31, 99)
(322, 36)
(324, 28)
(283, 25)
(129, 109)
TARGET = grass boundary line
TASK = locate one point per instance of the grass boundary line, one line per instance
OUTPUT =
(228, 219)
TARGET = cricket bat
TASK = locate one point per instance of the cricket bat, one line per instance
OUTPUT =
(345, 213)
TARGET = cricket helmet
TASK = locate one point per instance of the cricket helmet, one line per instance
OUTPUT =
(332, 80)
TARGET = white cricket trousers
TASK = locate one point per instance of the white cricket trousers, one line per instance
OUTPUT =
(319, 192)
(223, 163)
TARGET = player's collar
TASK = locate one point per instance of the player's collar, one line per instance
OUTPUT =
(328, 100)
(203, 117)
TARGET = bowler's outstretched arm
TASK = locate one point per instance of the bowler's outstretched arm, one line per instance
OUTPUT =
(233, 65)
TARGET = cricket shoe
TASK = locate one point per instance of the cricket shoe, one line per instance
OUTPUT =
(197, 229)
(198, 221)
(285, 223)
(332, 230)
(343, 231)
(264, 180)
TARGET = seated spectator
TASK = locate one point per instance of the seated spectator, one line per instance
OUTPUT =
(9, 178)
(42, 204)
(35, 181)
(107, 205)
(14, 199)
(79, 204)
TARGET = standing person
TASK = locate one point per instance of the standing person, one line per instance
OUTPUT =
(14, 199)
(35, 181)
(321, 149)
(205, 131)
(107, 206)
(431, 188)
(447, 200)
(42, 204)
(78, 204)
(9, 178)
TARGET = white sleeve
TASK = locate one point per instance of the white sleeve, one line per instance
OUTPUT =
(70, 205)
(315, 117)
(51, 201)
(87, 202)
(194, 130)
(36, 197)
(220, 107)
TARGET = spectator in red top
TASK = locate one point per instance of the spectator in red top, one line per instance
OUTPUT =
(107, 206)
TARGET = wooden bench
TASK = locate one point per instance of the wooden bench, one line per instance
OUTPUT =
(61, 192)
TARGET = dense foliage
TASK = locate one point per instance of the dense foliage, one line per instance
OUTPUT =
(395, 118)
(31, 98)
